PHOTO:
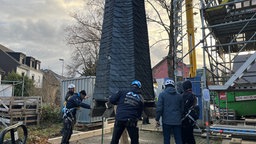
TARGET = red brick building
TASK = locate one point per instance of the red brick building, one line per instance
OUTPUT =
(160, 70)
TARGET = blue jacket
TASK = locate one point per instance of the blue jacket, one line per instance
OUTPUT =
(129, 104)
(170, 107)
(75, 102)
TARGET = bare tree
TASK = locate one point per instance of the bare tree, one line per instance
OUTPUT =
(164, 9)
(84, 38)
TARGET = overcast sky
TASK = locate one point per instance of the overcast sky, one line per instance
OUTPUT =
(36, 28)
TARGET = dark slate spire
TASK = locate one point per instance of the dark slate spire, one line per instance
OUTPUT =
(124, 50)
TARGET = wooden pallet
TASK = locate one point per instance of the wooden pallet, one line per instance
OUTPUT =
(16, 109)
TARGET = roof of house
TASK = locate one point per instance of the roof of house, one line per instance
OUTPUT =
(51, 77)
(159, 63)
(1, 71)
(5, 49)
(6, 52)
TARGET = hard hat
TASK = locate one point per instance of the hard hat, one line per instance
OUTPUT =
(71, 86)
(137, 83)
(169, 82)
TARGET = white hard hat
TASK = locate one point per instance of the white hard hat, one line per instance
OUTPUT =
(169, 82)
(71, 86)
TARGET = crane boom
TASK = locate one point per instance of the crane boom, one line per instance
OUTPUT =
(191, 37)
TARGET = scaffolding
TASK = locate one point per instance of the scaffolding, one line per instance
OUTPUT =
(230, 43)
(178, 36)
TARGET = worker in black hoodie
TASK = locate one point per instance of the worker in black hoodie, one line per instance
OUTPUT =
(190, 101)
(129, 109)
(69, 114)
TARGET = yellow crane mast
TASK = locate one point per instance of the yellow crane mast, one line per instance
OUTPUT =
(191, 37)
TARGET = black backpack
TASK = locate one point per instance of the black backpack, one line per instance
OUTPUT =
(193, 112)
(191, 116)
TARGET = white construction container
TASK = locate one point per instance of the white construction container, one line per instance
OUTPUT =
(6, 90)
(82, 83)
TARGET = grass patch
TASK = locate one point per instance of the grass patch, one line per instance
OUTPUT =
(40, 134)
(50, 126)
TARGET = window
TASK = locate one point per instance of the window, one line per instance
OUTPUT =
(238, 5)
(253, 2)
(23, 61)
(33, 64)
(246, 3)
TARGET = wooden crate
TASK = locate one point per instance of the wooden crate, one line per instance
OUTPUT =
(16, 109)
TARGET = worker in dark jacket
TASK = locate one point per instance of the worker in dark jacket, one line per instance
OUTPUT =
(129, 109)
(170, 107)
(71, 91)
(190, 101)
(69, 114)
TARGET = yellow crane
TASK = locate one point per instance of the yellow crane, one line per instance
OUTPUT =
(191, 37)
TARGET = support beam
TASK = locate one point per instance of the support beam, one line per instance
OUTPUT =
(238, 74)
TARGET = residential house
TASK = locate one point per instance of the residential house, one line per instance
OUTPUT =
(51, 87)
(160, 70)
(21, 64)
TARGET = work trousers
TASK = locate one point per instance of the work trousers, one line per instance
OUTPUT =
(131, 127)
(188, 132)
(176, 129)
(67, 130)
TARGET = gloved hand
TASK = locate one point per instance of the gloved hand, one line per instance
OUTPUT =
(64, 109)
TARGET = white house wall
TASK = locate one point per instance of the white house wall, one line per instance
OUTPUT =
(38, 75)
(21, 70)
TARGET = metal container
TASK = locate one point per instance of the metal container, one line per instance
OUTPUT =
(81, 83)
(243, 102)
